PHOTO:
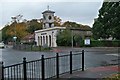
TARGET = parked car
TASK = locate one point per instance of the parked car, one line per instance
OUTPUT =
(2, 45)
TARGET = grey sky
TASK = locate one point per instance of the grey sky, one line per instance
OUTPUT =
(83, 11)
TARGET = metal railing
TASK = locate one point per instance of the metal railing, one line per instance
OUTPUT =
(44, 68)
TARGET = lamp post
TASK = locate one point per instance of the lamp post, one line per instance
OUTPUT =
(16, 20)
(72, 38)
(14, 38)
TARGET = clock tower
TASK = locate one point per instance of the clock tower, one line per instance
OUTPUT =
(48, 19)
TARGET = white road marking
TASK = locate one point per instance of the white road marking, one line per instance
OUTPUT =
(113, 54)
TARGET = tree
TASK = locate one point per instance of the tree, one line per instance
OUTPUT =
(33, 25)
(16, 29)
(57, 21)
(5, 37)
(63, 39)
(69, 24)
(107, 23)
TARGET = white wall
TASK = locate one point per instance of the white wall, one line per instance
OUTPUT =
(52, 33)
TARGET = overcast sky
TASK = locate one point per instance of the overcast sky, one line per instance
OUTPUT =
(81, 11)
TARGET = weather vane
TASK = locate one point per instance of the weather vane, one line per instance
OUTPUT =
(48, 7)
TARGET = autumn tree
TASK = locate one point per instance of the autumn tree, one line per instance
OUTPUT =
(57, 21)
(18, 30)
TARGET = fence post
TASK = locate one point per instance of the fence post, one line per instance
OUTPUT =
(57, 65)
(82, 60)
(43, 68)
(70, 62)
(24, 69)
(2, 71)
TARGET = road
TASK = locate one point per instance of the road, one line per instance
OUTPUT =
(93, 56)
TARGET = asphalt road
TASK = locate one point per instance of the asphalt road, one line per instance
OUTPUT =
(94, 57)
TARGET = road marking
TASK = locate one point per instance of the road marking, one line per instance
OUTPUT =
(112, 54)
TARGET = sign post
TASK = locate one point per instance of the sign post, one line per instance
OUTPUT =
(15, 38)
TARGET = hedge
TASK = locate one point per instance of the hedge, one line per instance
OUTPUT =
(105, 43)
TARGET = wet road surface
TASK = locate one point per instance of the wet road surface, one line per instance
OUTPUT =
(94, 57)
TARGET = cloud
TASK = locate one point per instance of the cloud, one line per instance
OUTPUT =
(83, 12)
(51, 0)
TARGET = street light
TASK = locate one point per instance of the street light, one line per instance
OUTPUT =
(14, 38)
(72, 38)
(16, 19)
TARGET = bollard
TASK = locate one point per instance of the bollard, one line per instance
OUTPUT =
(1, 71)
(82, 60)
(42, 67)
(70, 62)
(57, 65)
(24, 69)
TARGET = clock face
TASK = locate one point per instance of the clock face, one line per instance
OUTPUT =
(49, 17)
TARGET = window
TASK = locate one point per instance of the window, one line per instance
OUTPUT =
(50, 24)
(50, 17)
(47, 40)
(50, 40)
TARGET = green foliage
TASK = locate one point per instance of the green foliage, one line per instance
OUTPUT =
(77, 40)
(63, 39)
(33, 25)
(20, 30)
(108, 23)
(57, 21)
(113, 77)
(105, 43)
(69, 24)
(6, 38)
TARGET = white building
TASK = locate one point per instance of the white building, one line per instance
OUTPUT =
(47, 36)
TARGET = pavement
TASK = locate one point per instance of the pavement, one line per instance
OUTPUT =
(97, 73)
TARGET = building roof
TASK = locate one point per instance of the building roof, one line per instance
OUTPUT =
(48, 11)
(30, 36)
(49, 29)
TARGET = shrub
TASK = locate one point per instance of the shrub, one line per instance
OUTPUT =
(105, 43)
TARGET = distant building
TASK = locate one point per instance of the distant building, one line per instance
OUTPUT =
(28, 39)
(48, 35)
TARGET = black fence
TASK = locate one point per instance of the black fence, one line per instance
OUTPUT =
(44, 68)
